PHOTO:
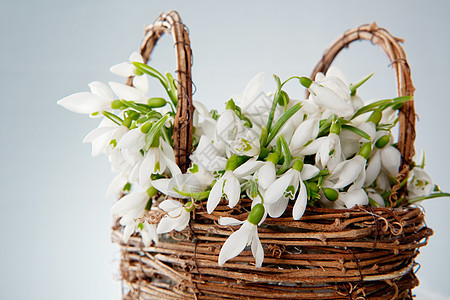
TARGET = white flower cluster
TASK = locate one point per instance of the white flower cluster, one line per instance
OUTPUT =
(330, 150)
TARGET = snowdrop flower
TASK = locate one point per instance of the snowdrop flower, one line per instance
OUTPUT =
(327, 149)
(92, 103)
(286, 187)
(246, 235)
(352, 171)
(420, 184)
(133, 206)
(208, 155)
(239, 139)
(384, 157)
(106, 133)
(267, 174)
(177, 217)
(127, 69)
(354, 197)
(376, 197)
(331, 93)
(305, 132)
(227, 186)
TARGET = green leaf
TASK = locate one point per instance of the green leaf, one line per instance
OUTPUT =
(381, 104)
(173, 88)
(154, 132)
(274, 104)
(196, 196)
(435, 195)
(286, 153)
(357, 131)
(356, 85)
(284, 118)
(112, 117)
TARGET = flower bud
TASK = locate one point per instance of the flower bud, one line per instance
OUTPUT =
(127, 122)
(256, 214)
(189, 206)
(305, 81)
(382, 141)
(330, 194)
(116, 104)
(145, 128)
(156, 102)
(273, 157)
(365, 150)
(151, 191)
(283, 98)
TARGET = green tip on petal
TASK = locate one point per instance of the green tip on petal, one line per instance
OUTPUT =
(256, 214)
(151, 191)
(273, 157)
(230, 105)
(330, 194)
(382, 141)
(141, 226)
(126, 187)
(193, 169)
(298, 165)
(305, 81)
(365, 150)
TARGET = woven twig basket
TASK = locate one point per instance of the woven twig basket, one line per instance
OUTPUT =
(359, 253)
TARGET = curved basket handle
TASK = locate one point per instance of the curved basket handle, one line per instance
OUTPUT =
(391, 46)
(182, 131)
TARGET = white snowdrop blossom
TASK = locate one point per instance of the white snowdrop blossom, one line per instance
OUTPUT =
(177, 217)
(420, 184)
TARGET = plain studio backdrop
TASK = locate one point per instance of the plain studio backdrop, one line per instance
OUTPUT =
(55, 219)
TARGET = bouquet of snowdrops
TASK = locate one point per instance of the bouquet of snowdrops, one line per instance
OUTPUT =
(331, 150)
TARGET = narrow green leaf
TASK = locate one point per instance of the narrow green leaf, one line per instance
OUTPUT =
(112, 117)
(196, 196)
(284, 118)
(356, 85)
(154, 132)
(357, 131)
(381, 104)
(435, 195)
(286, 153)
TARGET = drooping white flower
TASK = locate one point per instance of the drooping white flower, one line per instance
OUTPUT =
(101, 137)
(246, 235)
(327, 150)
(376, 197)
(127, 69)
(177, 217)
(354, 197)
(227, 186)
(420, 184)
(304, 133)
(92, 103)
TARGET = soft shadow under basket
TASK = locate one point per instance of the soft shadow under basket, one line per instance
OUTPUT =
(359, 253)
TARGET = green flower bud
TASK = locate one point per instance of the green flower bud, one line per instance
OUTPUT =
(127, 122)
(298, 165)
(305, 81)
(330, 194)
(382, 141)
(365, 150)
(375, 117)
(189, 206)
(151, 191)
(283, 98)
(116, 104)
(335, 128)
(230, 105)
(273, 157)
(232, 163)
(145, 128)
(156, 102)
(256, 214)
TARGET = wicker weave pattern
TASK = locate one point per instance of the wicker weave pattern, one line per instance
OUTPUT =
(360, 253)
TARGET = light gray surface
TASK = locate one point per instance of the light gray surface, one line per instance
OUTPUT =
(54, 216)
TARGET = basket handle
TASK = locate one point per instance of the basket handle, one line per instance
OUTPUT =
(391, 46)
(182, 130)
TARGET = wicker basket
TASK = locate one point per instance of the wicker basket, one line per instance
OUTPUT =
(359, 253)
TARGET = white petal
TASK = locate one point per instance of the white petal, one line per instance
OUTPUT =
(148, 167)
(134, 139)
(358, 197)
(277, 208)
(232, 189)
(116, 185)
(267, 175)
(373, 168)
(170, 205)
(227, 221)
(306, 131)
(215, 195)
(235, 243)
(300, 202)
(390, 159)
(128, 93)
(129, 202)
(248, 168)
(84, 103)
(309, 171)
(136, 57)
(182, 220)
(167, 224)
(257, 251)
(350, 171)
(252, 89)
(124, 69)
(141, 83)
(276, 189)
(201, 108)
(102, 90)
(313, 148)
(96, 133)
(128, 231)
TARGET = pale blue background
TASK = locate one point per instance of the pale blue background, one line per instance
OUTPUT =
(54, 218)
